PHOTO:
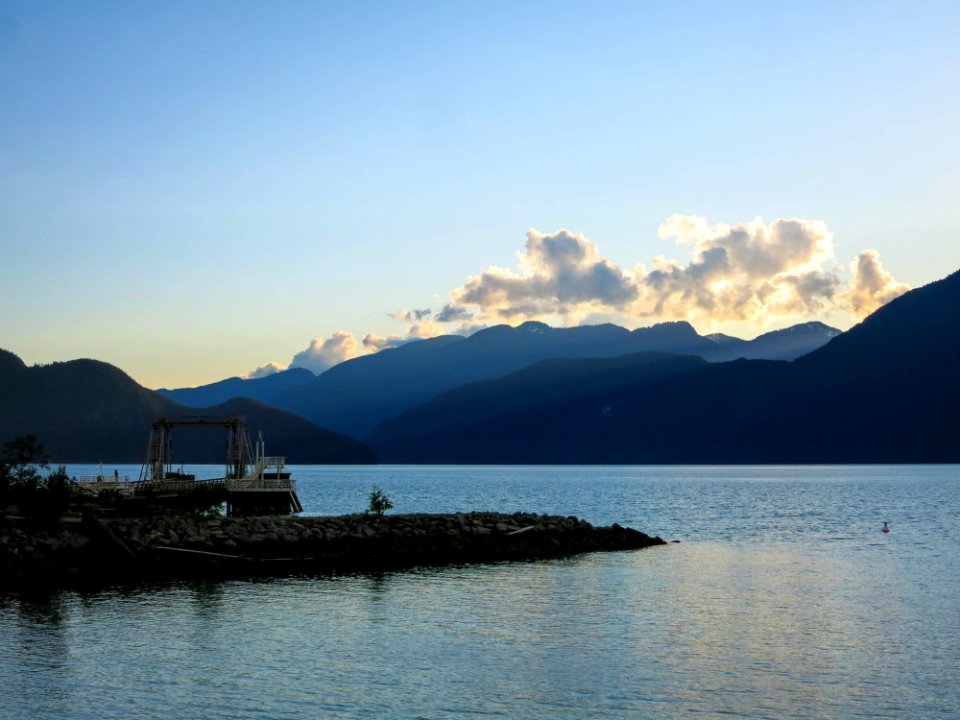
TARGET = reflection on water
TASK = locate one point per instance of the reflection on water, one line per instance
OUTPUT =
(38, 639)
(783, 600)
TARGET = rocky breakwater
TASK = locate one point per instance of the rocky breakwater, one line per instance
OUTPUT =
(118, 549)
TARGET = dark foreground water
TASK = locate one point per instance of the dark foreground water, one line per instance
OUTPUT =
(783, 600)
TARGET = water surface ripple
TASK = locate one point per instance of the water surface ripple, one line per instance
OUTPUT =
(783, 600)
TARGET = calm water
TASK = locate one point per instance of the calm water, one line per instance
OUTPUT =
(783, 600)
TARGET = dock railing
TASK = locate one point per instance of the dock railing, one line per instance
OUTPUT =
(96, 484)
(257, 480)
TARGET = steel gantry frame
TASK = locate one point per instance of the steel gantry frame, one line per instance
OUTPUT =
(159, 465)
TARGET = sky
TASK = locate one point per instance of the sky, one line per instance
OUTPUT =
(197, 190)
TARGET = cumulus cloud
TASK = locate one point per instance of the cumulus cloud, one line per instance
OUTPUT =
(751, 271)
(871, 286)
(742, 272)
(748, 272)
(269, 368)
(324, 353)
(558, 274)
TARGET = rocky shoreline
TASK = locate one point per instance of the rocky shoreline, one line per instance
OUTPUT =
(89, 550)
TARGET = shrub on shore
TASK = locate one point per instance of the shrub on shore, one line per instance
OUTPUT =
(379, 503)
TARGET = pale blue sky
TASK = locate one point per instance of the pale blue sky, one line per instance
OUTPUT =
(189, 190)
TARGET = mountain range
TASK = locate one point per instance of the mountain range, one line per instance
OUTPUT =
(359, 394)
(264, 389)
(88, 411)
(887, 390)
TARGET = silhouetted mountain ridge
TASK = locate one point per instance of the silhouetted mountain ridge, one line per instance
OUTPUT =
(917, 331)
(888, 390)
(87, 411)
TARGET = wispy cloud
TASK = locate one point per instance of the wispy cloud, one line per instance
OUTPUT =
(453, 313)
(415, 315)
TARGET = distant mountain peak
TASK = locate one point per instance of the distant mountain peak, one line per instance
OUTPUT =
(723, 339)
(534, 326)
(809, 327)
(670, 325)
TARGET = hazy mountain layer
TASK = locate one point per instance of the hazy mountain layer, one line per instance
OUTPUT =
(355, 396)
(263, 389)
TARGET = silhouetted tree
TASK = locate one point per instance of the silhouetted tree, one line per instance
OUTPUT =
(23, 458)
(23, 483)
